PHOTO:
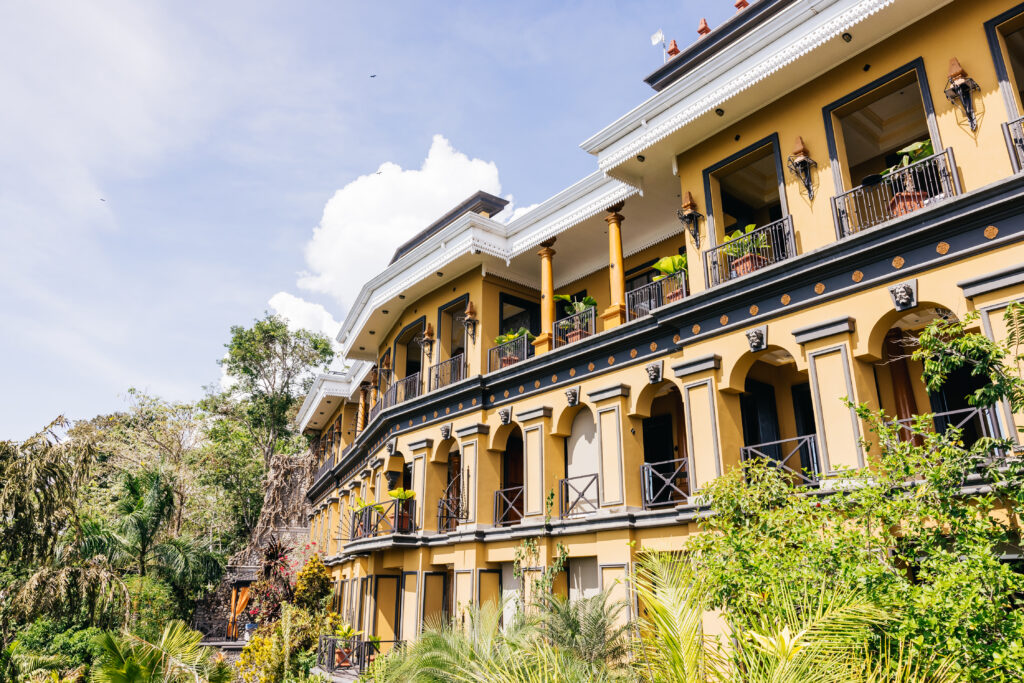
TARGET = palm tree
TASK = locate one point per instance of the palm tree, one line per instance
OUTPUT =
(176, 657)
(145, 508)
(590, 628)
(795, 635)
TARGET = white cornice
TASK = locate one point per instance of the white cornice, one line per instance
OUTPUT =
(783, 40)
(343, 385)
(475, 234)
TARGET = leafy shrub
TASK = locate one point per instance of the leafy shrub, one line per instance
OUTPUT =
(153, 604)
(313, 585)
(76, 644)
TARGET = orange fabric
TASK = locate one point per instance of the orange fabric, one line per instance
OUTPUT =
(241, 601)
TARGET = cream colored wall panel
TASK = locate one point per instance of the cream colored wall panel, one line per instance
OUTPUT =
(609, 422)
(702, 433)
(533, 459)
(838, 431)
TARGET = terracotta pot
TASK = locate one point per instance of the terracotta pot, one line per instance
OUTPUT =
(906, 202)
(747, 263)
(675, 295)
(509, 360)
(574, 336)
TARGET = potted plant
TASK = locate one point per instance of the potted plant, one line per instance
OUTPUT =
(403, 510)
(908, 199)
(745, 250)
(572, 327)
(346, 634)
(670, 265)
(507, 356)
(374, 646)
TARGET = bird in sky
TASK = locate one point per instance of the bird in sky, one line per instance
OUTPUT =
(373, 75)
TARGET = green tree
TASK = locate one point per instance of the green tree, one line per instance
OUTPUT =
(176, 657)
(271, 366)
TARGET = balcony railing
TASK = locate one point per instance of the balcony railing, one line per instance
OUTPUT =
(399, 391)
(642, 300)
(448, 372)
(750, 252)
(509, 353)
(797, 457)
(921, 184)
(453, 507)
(325, 467)
(574, 327)
(577, 495)
(508, 505)
(391, 517)
(665, 483)
(973, 423)
(336, 654)
(1013, 133)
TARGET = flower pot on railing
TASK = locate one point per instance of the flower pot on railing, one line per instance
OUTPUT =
(403, 509)
(674, 295)
(574, 335)
(508, 360)
(906, 202)
(747, 263)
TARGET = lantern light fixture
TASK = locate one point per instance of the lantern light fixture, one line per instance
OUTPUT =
(801, 164)
(958, 91)
(690, 218)
(469, 321)
(426, 340)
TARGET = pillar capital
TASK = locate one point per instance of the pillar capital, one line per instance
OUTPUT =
(615, 208)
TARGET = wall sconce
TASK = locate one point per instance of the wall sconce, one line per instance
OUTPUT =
(426, 341)
(469, 320)
(690, 218)
(800, 164)
(958, 91)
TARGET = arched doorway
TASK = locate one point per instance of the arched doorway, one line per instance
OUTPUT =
(508, 501)
(778, 416)
(665, 472)
(580, 489)
(902, 391)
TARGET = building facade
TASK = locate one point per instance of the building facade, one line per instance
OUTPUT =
(837, 173)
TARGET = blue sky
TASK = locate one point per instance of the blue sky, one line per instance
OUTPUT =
(170, 169)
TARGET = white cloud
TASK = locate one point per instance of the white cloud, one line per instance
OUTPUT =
(302, 314)
(366, 220)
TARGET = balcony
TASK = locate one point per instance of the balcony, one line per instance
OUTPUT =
(797, 457)
(1013, 132)
(575, 327)
(879, 199)
(453, 506)
(399, 391)
(577, 495)
(392, 517)
(974, 424)
(509, 353)
(665, 484)
(750, 252)
(642, 300)
(354, 655)
(508, 505)
(448, 372)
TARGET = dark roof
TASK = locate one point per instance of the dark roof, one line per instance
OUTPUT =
(737, 26)
(479, 202)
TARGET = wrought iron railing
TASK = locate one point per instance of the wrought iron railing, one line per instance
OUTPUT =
(399, 391)
(574, 327)
(578, 495)
(381, 519)
(918, 185)
(448, 372)
(325, 467)
(973, 423)
(665, 483)
(508, 505)
(453, 507)
(642, 300)
(336, 654)
(509, 353)
(1013, 133)
(750, 252)
(797, 457)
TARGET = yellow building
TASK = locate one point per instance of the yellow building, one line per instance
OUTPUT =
(838, 173)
